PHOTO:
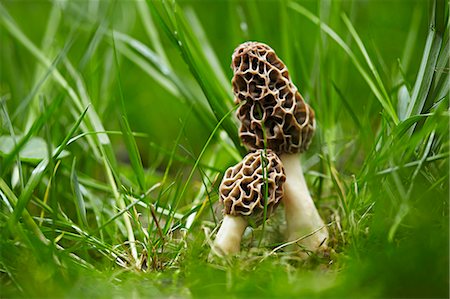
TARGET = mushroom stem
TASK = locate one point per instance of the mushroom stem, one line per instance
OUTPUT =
(302, 216)
(228, 239)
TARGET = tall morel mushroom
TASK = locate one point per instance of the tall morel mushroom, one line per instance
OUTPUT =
(274, 115)
(243, 193)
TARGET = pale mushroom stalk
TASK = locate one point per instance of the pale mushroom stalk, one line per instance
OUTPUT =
(228, 239)
(302, 217)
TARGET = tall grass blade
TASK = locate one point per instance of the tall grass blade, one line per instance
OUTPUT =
(435, 47)
(15, 31)
(151, 31)
(209, 53)
(79, 201)
(219, 98)
(130, 142)
(373, 86)
(26, 102)
(39, 172)
(9, 124)
(412, 37)
(425, 74)
(387, 103)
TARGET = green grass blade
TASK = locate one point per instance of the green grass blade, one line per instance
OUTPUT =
(133, 153)
(163, 74)
(411, 39)
(219, 98)
(387, 103)
(13, 135)
(12, 199)
(156, 69)
(26, 102)
(209, 53)
(130, 142)
(425, 74)
(108, 158)
(347, 105)
(39, 171)
(79, 200)
(151, 31)
(373, 86)
(427, 68)
(440, 87)
(35, 128)
(15, 31)
(200, 156)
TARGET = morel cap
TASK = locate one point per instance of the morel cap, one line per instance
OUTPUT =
(272, 107)
(243, 187)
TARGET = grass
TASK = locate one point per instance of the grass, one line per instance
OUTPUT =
(117, 125)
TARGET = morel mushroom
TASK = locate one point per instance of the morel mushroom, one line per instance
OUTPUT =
(249, 192)
(274, 115)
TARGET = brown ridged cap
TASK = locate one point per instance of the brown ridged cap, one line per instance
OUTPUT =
(242, 190)
(272, 105)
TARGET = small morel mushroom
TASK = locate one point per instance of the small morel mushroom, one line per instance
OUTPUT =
(249, 192)
(274, 115)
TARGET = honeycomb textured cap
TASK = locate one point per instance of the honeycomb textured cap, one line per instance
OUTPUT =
(242, 190)
(271, 104)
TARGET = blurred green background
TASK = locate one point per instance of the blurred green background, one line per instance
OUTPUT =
(156, 76)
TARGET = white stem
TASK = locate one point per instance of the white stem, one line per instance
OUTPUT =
(302, 217)
(228, 239)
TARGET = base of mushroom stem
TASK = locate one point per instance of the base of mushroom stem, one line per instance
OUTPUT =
(228, 239)
(314, 242)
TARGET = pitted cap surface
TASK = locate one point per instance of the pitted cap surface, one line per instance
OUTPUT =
(243, 187)
(272, 106)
